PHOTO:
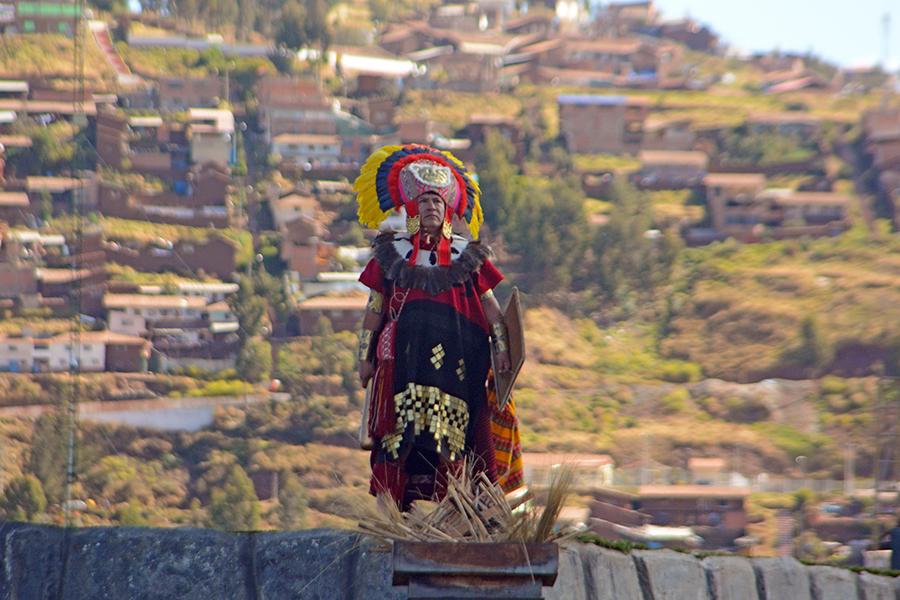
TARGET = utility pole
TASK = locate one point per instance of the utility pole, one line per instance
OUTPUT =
(79, 119)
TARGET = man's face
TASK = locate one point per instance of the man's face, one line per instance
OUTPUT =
(431, 210)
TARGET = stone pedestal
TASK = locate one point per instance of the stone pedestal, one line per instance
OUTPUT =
(475, 570)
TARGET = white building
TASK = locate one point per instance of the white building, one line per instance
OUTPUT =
(211, 291)
(211, 132)
(308, 148)
(27, 354)
(135, 314)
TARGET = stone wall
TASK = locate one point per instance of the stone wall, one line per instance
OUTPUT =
(50, 563)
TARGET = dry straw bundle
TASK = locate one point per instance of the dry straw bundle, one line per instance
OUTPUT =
(473, 510)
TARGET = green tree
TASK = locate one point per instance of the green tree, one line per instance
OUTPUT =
(132, 514)
(813, 350)
(291, 31)
(291, 502)
(118, 478)
(496, 177)
(546, 229)
(48, 453)
(23, 499)
(316, 23)
(254, 361)
(234, 506)
(249, 308)
(630, 256)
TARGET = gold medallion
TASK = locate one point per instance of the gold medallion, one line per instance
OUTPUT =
(412, 225)
(447, 229)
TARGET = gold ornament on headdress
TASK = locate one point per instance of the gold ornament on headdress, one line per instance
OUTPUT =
(412, 224)
(447, 229)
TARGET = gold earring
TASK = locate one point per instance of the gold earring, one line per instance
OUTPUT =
(412, 225)
(447, 229)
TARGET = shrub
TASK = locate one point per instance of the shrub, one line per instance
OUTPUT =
(675, 402)
(222, 388)
(677, 371)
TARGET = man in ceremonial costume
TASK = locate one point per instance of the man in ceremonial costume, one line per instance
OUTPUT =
(425, 343)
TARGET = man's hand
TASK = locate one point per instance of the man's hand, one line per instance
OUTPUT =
(502, 361)
(366, 370)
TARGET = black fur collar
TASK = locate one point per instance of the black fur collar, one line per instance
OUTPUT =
(433, 280)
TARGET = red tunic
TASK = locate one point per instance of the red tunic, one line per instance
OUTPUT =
(429, 394)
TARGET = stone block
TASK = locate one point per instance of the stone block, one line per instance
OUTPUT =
(609, 575)
(878, 587)
(372, 578)
(150, 564)
(318, 564)
(31, 561)
(781, 579)
(570, 584)
(668, 575)
(831, 583)
(730, 578)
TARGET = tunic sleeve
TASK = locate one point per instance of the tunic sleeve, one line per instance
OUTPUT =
(488, 277)
(372, 278)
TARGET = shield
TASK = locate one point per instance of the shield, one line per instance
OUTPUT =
(515, 333)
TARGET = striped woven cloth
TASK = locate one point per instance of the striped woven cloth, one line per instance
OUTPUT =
(507, 443)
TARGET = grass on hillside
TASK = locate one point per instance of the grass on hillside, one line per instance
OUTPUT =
(50, 56)
(147, 232)
(605, 162)
(745, 310)
(160, 62)
(455, 108)
(672, 207)
(129, 275)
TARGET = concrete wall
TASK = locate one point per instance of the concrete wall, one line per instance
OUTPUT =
(49, 563)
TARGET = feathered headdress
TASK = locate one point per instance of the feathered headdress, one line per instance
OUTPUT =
(394, 176)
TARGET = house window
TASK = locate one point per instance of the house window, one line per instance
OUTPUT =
(88, 347)
(13, 348)
(28, 27)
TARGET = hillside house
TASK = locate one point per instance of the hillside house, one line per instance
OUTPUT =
(590, 470)
(884, 147)
(739, 209)
(293, 206)
(181, 93)
(479, 124)
(344, 312)
(304, 249)
(730, 195)
(139, 314)
(295, 106)
(796, 124)
(39, 17)
(211, 135)
(308, 148)
(15, 208)
(93, 351)
(622, 18)
(689, 32)
(670, 169)
(661, 133)
(707, 470)
(14, 89)
(717, 514)
(602, 124)
(214, 255)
